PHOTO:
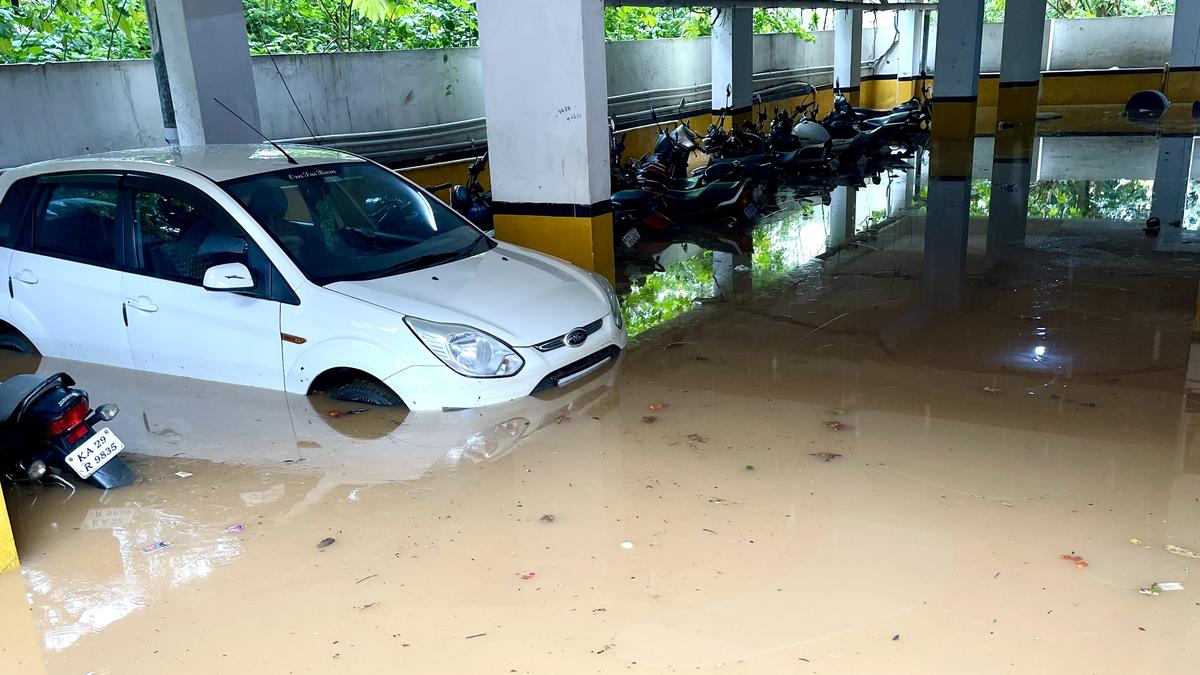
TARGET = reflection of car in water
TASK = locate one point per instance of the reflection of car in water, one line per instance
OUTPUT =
(168, 416)
(296, 453)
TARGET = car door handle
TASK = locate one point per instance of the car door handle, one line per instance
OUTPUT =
(26, 277)
(142, 304)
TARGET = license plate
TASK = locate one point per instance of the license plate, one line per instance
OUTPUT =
(95, 451)
(632, 237)
(751, 212)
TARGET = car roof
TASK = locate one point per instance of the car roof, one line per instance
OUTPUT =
(216, 162)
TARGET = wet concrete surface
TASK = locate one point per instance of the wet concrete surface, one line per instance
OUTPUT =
(799, 466)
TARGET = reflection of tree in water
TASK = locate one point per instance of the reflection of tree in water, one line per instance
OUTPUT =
(1108, 199)
(665, 295)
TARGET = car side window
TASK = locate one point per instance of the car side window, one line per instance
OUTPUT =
(178, 239)
(13, 207)
(78, 220)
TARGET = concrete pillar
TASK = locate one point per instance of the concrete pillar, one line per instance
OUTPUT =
(847, 51)
(732, 48)
(207, 57)
(1170, 187)
(842, 216)
(1021, 61)
(955, 97)
(911, 53)
(545, 95)
(1183, 85)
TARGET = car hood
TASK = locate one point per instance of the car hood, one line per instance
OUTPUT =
(516, 295)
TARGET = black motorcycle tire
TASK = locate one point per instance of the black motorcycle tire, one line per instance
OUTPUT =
(365, 391)
(13, 341)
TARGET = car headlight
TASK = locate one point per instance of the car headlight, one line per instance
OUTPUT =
(467, 351)
(614, 304)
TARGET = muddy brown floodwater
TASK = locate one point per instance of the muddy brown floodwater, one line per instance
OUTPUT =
(839, 480)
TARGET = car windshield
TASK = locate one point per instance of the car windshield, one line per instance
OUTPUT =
(355, 221)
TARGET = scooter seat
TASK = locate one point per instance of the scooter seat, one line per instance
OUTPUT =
(632, 200)
(871, 113)
(893, 119)
(701, 199)
(806, 156)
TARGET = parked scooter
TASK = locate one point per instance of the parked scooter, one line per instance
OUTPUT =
(50, 436)
(470, 199)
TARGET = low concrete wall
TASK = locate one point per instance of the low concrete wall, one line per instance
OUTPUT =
(1122, 41)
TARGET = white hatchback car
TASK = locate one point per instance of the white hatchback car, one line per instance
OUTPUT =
(313, 270)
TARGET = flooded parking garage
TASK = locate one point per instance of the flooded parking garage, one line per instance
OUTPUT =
(808, 460)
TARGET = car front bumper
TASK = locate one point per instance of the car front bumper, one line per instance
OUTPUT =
(438, 387)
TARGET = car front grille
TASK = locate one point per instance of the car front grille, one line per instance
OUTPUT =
(555, 378)
(561, 341)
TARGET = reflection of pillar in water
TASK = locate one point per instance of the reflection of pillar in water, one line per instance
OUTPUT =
(1012, 174)
(1171, 185)
(841, 216)
(900, 191)
(731, 273)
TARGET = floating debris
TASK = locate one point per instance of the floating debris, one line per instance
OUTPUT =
(993, 390)
(649, 419)
(547, 518)
(1080, 563)
(696, 438)
(325, 542)
(1160, 587)
(235, 528)
(1181, 551)
(826, 456)
(627, 545)
(472, 637)
(1135, 541)
(834, 425)
(526, 576)
(896, 637)
(749, 467)
(184, 474)
(559, 419)
(156, 546)
(656, 407)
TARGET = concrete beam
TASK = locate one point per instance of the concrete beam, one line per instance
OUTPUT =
(782, 4)
(207, 57)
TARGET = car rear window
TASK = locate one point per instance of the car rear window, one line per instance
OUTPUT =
(78, 221)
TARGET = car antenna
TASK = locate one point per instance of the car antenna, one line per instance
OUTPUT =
(275, 145)
(312, 134)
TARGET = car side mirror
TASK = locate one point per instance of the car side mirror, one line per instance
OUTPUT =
(228, 277)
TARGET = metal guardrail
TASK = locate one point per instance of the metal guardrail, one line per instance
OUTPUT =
(464, 137)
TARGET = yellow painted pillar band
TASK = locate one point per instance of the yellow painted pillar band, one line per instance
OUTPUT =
(586, 241)
(952, 138)
(8, 545)
(1018, 102)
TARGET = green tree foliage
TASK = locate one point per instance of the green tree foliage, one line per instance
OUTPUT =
(1086, 9)
(1107, 199)
(78, 30)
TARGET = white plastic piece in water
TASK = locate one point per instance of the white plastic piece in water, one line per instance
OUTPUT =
(627, 545)
(1170, 586)
(184, 474)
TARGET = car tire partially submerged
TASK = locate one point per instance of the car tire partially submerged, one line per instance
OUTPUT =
(361, 390)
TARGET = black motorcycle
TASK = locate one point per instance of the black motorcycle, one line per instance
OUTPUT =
(50, 435)
(470, 199)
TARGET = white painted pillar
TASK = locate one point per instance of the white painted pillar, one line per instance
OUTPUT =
(959, 36)
(912, 44)
(207, 56)
(1021, 49)
(732, 48)
(847, 51)
(1170, 187)
(545, 95)
(1185, 38)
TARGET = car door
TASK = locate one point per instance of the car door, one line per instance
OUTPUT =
(65, 276)
(176, 326)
